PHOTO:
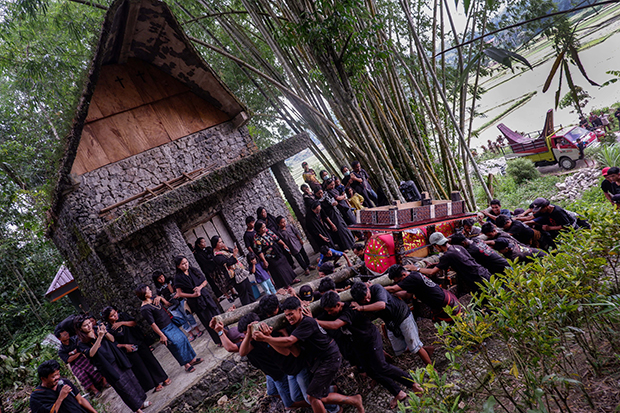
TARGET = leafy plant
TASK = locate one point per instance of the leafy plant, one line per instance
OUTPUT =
(608, 155)
(522, 170)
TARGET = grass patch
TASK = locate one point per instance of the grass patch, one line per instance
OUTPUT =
(514, 196)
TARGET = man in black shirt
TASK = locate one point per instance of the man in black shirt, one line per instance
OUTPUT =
(204, 257)
(408, 284)
(319, 349)
(55, 394)
(376, 302)
(552, 218)
(609, 186)
(470, 274)
(517, 229)
(248, 236)
(482, 253)
(516, 252)
(367, 344)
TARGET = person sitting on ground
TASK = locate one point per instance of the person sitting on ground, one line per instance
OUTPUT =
(469, 273)
(376, 302)
(482, 253)
(469, 230)
(494, 210)
(516, 252)
(368, 346)
(408, 284)
(83, 369)
(265, 358)
(355, 199)
(329, 254)
(56, 395)
(319, 349)
(262, 276)
(609, 185)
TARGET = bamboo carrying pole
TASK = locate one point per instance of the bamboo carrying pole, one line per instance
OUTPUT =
(339, 276)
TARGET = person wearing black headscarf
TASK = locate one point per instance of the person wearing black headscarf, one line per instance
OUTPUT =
(191, 284)
(317, 226)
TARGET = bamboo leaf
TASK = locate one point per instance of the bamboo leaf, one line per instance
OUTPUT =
(499, 55)
(575, 56)
(554, 69)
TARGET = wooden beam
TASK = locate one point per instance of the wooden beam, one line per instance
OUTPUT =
(130, 27)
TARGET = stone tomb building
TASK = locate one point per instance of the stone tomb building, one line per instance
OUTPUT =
(158, 155)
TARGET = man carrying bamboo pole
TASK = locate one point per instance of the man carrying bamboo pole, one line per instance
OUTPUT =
(320, 350)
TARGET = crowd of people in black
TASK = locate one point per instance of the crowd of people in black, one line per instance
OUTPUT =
(301, 360)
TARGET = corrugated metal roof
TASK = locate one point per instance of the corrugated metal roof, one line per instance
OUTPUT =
(62, 278)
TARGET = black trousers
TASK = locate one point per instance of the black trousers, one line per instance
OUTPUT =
(373, 360)
(244, 288)
(205, 315)
(146, 368)
(302, 258)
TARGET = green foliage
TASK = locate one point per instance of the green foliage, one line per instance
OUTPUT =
(544, 320)
(514, 196)
(608, 155)
(439, 394)
(522, 170)
(18, 367)
(582, 99)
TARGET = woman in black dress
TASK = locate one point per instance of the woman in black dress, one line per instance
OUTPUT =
(270, 249)
(318, 225)
(270, 220)
(227, 261)
(191, 284)
(98, 345)
(129, 338)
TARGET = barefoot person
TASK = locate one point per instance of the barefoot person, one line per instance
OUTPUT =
(320, 350)
(367, 344)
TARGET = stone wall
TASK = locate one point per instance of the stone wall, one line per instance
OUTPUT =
(211, 148)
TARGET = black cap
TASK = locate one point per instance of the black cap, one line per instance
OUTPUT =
(305, 293)
(539, 203)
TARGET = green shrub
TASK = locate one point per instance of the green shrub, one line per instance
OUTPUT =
(608, 155)
(536, 332)
(522, 170)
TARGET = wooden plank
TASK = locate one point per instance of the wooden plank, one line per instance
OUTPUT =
(115, 91)
(110, 139)
(148, 87)
(151, 126)
(188, 113)
(200, 232)
(165, 82)
(90, 154)
(222, 231)
(190, 237)
(209, 114)
(210, 230)
(94, 112)
(171, 118)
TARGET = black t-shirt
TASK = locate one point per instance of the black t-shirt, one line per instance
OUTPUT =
(554, 218)
(362, 330)
(315, 340)
(248, 239)
(265, 358)
(155, 314)
(424, 289)
(395, 312)
(487, 257)
(43, 398)
(521, 232)
(466, 268)
(64, 350)
(124, 334)
(610, 188)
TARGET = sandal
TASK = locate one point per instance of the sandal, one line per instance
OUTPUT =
(197, 360)
(158, 388)
(146, 404)
(167, 382)
(191, 338)
(296, 280)
(200, 333)
(191, 369)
